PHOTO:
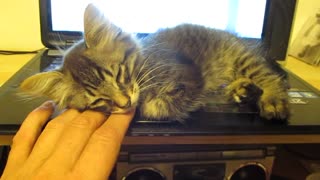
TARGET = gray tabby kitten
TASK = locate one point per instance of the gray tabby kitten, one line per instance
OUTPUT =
(166, 75)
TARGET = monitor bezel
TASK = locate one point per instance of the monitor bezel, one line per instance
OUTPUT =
(276, 30)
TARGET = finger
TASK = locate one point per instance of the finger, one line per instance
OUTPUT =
(101, 152)
(27, 135)
(49, 137)
(74, 138)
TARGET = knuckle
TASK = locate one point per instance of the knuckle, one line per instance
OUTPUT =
(85, 121)
(15, 141)
(54, 124)
(107, 135)
(21, 137)
(17, 148)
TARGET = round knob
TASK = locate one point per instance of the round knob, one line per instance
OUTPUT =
(249, 171)
(144, 174)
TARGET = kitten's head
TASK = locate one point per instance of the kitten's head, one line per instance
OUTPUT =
(98, 72)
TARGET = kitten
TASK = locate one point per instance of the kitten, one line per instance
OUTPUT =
(167, 74)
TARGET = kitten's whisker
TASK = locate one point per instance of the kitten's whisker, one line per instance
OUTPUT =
(148, 72)
(149, 86)
(142, 67)
(154, 83)
(144, 75)
(154, 46)
(145, 61)
(146, 81)
(151, 70)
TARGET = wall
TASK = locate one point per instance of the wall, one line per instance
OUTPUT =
(20, 27)
(305, 8)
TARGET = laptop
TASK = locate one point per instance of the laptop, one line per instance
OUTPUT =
(268, 21)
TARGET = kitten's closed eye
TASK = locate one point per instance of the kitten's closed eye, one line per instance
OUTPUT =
(101, 104)
(99, 100)
(123, 75)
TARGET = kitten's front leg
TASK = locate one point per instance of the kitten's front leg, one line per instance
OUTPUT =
(270, 97)
(243, 90)
(274, 104)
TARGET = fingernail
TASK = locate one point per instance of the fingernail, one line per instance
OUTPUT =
(47, 105)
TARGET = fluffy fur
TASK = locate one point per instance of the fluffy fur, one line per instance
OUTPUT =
(167, 74)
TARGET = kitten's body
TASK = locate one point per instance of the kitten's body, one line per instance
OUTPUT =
(214, 52)
(167, 74)
(226, 64)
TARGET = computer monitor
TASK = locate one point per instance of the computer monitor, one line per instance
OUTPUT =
(267, 21)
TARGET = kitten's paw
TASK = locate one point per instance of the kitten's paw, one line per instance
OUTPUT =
(274, 107)
(243, 90)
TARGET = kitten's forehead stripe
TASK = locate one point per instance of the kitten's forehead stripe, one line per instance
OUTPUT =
(130, 59)
(107, 72)
(89, 92)
(120, 76)
(99, 72)
(83, 82)
(89, 86)
(128, 53)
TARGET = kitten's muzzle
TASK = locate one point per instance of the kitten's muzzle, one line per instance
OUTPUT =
(125, 106)
(121, 100)
(123, 109)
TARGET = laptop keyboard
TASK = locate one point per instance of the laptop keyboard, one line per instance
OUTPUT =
(54, 65)
(51, 63)
(51, 60)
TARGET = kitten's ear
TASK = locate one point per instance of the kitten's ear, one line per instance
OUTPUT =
(44, 84)
(97, 27)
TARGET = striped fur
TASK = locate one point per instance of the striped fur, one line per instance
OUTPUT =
(229, 65)
(167, 75)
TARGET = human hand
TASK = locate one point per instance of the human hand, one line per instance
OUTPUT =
(73, 145)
